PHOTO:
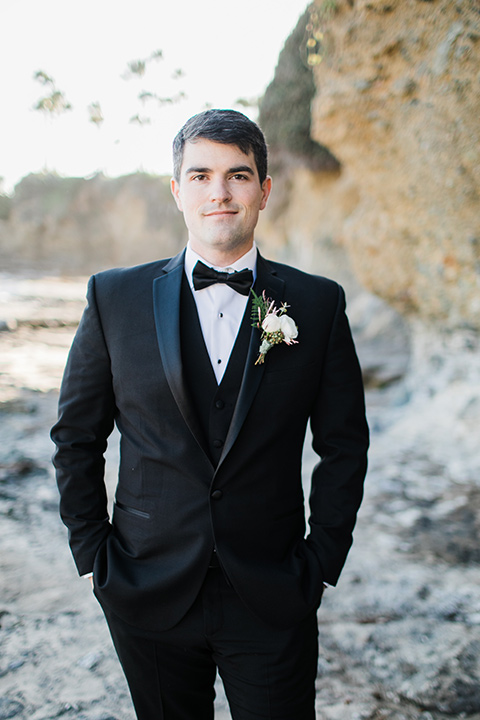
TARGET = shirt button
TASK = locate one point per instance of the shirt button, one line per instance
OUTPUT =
(217, 443)
(219, 404)
(220, 315)
(217, 495)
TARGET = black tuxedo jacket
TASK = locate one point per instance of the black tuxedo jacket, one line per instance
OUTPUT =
(125, 367)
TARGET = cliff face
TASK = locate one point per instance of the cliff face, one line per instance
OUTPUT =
(398, 103)
(79, 226)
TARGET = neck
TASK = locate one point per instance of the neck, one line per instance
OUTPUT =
(221, 257)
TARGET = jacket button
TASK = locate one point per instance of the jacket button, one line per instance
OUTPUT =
(217, 495)
(217, 443)
(219, 404)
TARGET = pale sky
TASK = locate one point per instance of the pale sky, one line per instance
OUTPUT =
(227, 50)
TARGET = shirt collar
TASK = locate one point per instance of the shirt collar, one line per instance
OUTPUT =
(249, 260)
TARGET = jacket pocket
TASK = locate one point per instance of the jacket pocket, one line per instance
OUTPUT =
(132, 510)
(132, 528)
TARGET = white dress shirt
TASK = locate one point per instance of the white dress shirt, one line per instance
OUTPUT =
(220, 309)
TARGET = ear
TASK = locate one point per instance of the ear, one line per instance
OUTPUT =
(266, 190)
(175, 188)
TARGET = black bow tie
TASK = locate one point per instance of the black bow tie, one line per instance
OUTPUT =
(204, 276)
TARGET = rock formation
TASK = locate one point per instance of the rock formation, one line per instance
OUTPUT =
(79, 225)
(398, 103)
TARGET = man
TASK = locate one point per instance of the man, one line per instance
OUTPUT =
(205, 563)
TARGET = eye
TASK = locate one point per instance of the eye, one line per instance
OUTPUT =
(198, 177)
(239, 176)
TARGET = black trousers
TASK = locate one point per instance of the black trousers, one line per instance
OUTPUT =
(267, 673)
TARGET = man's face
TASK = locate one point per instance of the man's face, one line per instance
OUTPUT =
(220, 195)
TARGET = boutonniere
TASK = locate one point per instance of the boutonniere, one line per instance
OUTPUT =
(276, 326)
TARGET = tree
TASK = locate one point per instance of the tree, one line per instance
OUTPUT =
(55, 103)
(137, 69)
(95, 114)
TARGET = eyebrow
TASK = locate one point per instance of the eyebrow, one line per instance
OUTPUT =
(230, 171)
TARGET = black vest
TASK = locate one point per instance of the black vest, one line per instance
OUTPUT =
(214, 404)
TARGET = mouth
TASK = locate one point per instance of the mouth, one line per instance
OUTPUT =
(221, 213)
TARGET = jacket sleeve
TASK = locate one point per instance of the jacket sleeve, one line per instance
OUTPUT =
(86, 418)
(340, 439)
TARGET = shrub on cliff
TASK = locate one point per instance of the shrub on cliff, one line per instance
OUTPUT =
(285, 108)
(5, 206)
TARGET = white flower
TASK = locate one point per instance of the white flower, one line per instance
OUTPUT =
(272, 323)
(275, 325)
(288, 328)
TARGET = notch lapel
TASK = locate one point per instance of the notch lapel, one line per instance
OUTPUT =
(166, 306)
(274, 287)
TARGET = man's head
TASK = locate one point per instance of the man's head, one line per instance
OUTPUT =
(222, 126)
(220, 160)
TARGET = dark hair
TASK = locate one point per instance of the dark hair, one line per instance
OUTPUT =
(223, 126)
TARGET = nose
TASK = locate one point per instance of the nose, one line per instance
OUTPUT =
(219, 191)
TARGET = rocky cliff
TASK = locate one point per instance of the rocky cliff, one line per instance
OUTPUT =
(79, 226)
(396, 99)
(398, 103)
